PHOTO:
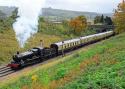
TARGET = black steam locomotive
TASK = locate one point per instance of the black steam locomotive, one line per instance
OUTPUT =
(34, 55)
(39, 54)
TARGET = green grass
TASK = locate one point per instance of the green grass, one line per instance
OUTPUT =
(109, 73)
(100, 66)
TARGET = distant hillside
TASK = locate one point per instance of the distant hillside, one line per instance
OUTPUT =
(57, 14)
(2, 15)
(67, 14)
(7, 10)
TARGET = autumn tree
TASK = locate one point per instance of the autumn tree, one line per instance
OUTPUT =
(78, 24)
(119, 18)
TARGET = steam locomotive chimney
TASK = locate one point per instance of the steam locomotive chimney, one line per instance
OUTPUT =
(41, 43)
(18, 52)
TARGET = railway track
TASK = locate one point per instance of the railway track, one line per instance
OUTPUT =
(4, 71)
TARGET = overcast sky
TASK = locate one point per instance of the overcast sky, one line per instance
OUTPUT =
(103, 6)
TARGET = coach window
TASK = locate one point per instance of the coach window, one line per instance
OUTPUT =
(82, 41)
(77, 42)
(68, 45)
(65, 46)
(87, 39)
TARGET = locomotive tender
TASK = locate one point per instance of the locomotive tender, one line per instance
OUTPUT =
(39, 54)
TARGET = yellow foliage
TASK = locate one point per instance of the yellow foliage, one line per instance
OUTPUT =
(34, 78)
(119, 18)
(78, 24)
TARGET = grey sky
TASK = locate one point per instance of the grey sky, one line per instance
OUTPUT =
(103, 6)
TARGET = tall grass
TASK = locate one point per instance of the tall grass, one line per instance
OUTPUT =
(8, 45)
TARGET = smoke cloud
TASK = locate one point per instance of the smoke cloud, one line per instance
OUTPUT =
(27, 23)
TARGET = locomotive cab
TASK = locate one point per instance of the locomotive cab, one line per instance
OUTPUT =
(54, 46)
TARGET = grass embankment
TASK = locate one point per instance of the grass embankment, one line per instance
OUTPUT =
(9, 44)
(100, 66)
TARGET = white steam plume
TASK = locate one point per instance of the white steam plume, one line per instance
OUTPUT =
(27, 23)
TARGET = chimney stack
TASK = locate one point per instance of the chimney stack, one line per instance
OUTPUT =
(41, 43)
